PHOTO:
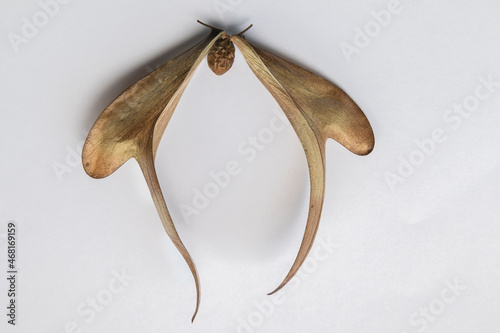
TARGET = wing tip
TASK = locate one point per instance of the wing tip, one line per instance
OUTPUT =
(361, 142)
(364, 148)
(195, 313)
(276, 290)
(97, 168)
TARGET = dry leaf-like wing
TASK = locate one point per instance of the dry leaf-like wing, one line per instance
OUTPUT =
(317, 110)
(133, 124)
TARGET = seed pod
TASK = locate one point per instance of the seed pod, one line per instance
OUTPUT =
(221, 56)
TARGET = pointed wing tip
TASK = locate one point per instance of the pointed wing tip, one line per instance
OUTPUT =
(284, 282)
(274, 291)
(197, 300)
(194, 315)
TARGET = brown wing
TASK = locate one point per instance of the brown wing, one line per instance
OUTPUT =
(317, 110)
(133, 124)
(123, 128)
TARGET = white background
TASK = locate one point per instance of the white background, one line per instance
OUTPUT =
(397, 246)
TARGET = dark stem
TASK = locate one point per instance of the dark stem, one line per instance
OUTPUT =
(241, 33)
(207, 25)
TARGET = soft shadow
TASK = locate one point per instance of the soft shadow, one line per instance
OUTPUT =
(289, 58)
(137, 73)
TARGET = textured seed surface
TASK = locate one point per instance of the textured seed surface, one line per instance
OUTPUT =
(221, 56)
